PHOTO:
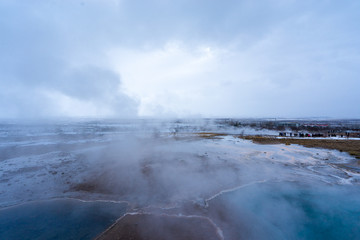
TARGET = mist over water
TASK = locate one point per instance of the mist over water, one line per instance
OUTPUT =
(240, 189)
(281, 210)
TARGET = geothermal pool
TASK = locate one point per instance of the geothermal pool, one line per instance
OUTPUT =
(279, 210)
(161, 180)
(58, 219)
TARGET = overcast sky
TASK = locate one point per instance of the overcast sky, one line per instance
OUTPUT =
(159, 58)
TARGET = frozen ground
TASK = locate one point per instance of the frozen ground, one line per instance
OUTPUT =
(164, 168)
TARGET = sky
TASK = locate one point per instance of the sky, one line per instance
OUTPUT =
(171, 58)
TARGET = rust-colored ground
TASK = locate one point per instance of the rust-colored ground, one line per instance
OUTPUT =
(160, 227)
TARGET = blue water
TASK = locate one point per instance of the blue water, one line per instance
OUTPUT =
(58, 219)
(293, 211)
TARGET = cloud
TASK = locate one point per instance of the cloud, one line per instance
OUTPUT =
(90, 91)
(48, 70)
(84, 92)
(179, 58)
(165, 80)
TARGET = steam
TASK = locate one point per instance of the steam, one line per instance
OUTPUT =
(164, 168)
(247, 191)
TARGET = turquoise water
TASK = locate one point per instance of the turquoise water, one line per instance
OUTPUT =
(292, 211)
(261, 211)
(58, 219)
